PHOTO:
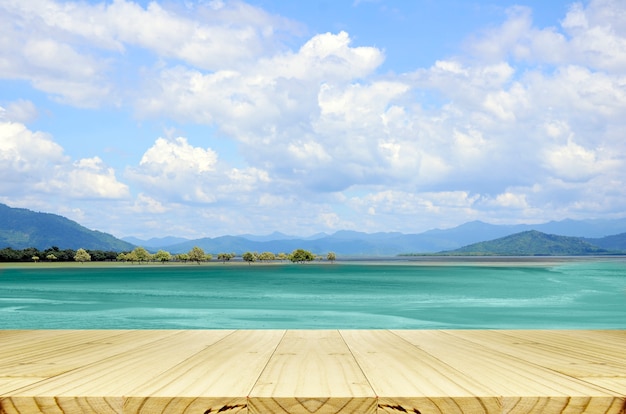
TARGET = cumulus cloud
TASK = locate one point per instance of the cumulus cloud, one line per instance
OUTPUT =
(497, 127)
(175, 169)
(592, 35)
(527, 125)
(45, 42)
(33, 163)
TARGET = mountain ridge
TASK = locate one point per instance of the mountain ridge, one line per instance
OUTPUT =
(532, 243)
(22, 228)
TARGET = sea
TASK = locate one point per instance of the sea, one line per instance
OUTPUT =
(411, 293)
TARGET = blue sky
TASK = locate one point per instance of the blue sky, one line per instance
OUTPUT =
(203, 118)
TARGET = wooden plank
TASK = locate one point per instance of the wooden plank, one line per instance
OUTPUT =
(20, 344)
(407, 379)
(57, 356)
(615, 384)
(100, 386)
(524, 387)
(217, 379)
(27, 357)
(606, 344)
(347, 371)
(574, 361)
(11, 384)
(312, 372)
(66, 405)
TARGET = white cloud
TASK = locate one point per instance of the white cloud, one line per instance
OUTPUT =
(76, 51)
(32, 163)
(572, 162)
(174, 169)
(593, 35)
(146, 204)
(510, 200)
(21, 111)
(88, 178)
(177, 156)
(529, 124)
(27, 157)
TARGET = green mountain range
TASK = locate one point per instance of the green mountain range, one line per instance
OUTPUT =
(536, 243)
(21, 228)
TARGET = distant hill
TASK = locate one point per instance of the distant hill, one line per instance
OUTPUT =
(21, 228)
(532, 243)
(616, 242)
(155, 242)
(346, 242)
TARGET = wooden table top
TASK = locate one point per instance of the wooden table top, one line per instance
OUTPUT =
(312, 371)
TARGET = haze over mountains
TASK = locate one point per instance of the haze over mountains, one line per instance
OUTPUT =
(22, 228)
(346, 242)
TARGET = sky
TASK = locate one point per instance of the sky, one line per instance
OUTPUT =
(202, 118)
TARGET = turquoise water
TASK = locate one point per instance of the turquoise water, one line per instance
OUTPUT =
(587, 294)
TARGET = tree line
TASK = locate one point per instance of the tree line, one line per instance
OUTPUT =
(52, 254)
(141, 255)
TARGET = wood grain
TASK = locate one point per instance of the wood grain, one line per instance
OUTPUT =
(407, 379)
(219, 378)
(525, 387)
(100, 386)
(312, 371)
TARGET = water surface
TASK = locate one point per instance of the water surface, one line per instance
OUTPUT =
(568, 294)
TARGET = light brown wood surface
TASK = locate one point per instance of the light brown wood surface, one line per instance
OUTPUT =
(312, 371)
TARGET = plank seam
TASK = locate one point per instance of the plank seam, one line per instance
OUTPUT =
(529, 362)
(454, 369)
(265, 366)
(356, 361)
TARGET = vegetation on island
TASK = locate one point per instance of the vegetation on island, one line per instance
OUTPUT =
(52, 254)
(82, 256)
(531, 243)
(140, 255)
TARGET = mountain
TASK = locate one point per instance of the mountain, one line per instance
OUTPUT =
(532, 243)
(240, 245)
(21, 228)
(347, 242)
(616, 242)
(270, 237)
(155, 242)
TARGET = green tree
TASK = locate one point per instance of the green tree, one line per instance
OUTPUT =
(162, 256)
(225, 257)
(196, 254)
(331, 257)
(132, 257)
(267, 256)
(250, 257)
(35, 259)
(51, 257)
(82, 256)
(301, 256)
(141, 254)
(182, 257)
